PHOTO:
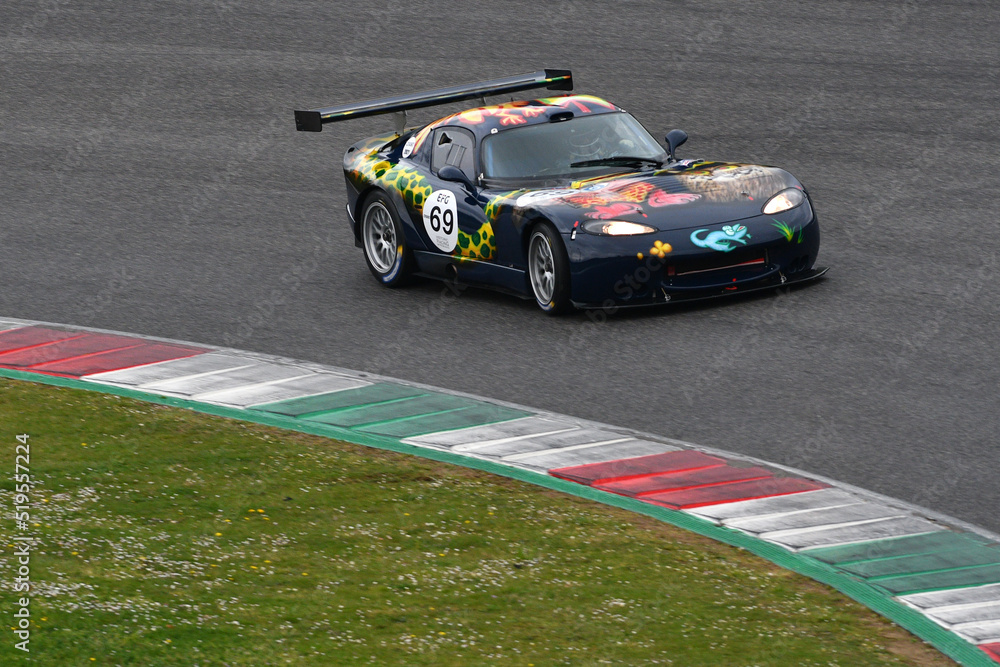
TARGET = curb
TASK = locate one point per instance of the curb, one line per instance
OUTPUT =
(934, 575)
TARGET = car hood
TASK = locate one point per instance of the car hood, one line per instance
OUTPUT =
(688, 194)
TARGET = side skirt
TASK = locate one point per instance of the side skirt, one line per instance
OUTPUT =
(474, 272)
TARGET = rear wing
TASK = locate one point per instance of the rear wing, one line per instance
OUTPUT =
(553, 79)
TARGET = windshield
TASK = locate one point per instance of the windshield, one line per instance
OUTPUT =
(548, 150)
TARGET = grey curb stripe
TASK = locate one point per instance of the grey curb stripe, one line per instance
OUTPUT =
(544, 441)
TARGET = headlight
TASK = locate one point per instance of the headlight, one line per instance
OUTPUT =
(616, 228)
(783, 201)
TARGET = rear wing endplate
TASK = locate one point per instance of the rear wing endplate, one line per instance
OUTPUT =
(553, 79)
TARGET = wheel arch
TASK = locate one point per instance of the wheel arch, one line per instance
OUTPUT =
(560, 302)
(358, 209)
(529, 225)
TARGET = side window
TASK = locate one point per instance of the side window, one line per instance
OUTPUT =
(454, 146)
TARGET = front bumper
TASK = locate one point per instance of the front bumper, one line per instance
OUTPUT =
(625, 271)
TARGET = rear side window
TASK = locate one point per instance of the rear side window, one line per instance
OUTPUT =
(454, 146)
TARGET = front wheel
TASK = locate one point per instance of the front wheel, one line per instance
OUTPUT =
(548, 270)
(384, 244)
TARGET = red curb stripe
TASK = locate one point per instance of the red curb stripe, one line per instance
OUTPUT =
(992, 650)
(25, 338)
(640, 466)
(74, 354)
(728, 493)
(66, 348)
(62, 360)
(115, 360)
(652, 484)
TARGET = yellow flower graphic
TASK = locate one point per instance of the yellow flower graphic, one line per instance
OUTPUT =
(660, 249)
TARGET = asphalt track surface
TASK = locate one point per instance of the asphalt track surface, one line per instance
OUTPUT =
(151, 181)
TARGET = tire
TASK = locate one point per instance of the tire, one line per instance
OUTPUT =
(548, 269)
(383, 241)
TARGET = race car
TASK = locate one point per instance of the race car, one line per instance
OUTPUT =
(565, 199)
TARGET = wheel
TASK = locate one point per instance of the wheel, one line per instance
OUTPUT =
(384, 244)
(548, 270)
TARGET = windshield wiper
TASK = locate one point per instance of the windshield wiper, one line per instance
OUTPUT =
(625, 160)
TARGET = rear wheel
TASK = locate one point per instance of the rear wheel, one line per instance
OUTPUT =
(548, 270)
(384, 244)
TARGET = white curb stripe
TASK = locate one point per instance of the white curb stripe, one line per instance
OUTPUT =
(220, 395)
(525, 427)
(562, 441)
(240, 379)
(985, 611)
(491, 447)
(301, 387)
(987, 632)
(166, 387)
(806, 530)
(554, 442)
(514, 444)
(953, 597)
(789, 519)
(173, 368)
(189, 385)
(813, 519)
(852, 533)
(525, 456)
(587, 454)
(761, 507)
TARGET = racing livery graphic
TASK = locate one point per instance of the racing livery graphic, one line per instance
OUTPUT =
(724, 241)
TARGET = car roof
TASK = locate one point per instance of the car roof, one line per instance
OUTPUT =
(483, 120)
(520, 113)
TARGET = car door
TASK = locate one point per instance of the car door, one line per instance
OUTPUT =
(453, 218)
(467, 250)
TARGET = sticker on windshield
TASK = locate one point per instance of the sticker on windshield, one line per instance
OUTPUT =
(542, 195)
(408, 146)
(441, 219)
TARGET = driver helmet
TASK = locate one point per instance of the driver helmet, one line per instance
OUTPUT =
(586, 142)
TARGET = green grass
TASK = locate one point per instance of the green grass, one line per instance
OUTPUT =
(167, 537)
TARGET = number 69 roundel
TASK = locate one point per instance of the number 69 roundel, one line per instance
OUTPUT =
(441, 220)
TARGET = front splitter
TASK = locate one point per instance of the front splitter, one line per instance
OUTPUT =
(669, 298)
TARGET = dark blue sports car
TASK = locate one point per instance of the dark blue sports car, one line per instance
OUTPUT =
(567, 200)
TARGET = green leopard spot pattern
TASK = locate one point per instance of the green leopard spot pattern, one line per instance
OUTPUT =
(410, 184)
(413, 187)
(495, 203)
(480, 244)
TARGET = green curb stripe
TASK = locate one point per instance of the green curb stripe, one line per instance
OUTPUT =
(896, 546)
(338, 400)
(476, 415)
(948, 643)
(392, 410)
(917, 563)
(935, 581)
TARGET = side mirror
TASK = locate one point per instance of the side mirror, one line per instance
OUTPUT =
(450, 172)
(674, 139)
